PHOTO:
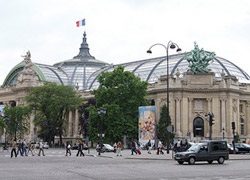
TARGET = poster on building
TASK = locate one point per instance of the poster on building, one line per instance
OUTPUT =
(1, 110)
(147, 124)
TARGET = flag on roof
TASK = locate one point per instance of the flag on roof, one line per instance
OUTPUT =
(80, 23)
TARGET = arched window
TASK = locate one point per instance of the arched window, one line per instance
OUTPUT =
(242, 126)
(198, 127)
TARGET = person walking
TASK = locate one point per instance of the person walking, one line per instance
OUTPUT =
(41, 148)
(30, 148)
(159, 149)
(149, 146)
(20, 148)
(68, 149)
(115, 147)
(13, 150)
(24, 147)
(80, 148)
(133, 147)
(119, 148)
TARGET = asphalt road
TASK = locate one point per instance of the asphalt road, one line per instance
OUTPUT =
(56, 166)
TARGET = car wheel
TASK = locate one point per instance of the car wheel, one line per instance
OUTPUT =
(180, 162)
(210, 162)
(191, 160)
(221, 160)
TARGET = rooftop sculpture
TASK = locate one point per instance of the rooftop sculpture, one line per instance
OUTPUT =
(199, 60)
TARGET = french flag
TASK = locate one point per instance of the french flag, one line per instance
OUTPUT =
(80, 23)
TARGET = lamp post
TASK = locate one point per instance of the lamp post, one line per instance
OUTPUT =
(170, 45)
(101, 112)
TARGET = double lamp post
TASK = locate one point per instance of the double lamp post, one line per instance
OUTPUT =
(101, 112)
(170, 45)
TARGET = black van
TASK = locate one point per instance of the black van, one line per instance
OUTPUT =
(212, 150)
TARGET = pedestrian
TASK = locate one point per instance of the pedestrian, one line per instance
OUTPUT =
(41, 148)
(133, 147)
(24, 146)
(119, 148)
(159, 149)
(184, 144)
(115, 147)
(149, 146)
(20, 148)
(68, 149)
(80, 148)
(13, 150)
(31, 148)
(178, 145)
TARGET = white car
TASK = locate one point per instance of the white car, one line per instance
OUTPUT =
(45, 145)
(105, 148)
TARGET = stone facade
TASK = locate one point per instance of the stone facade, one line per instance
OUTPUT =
(195, 95)
(191, 98)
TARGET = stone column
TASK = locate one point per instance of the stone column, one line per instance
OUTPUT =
(247, 121)
(70, 124)
(76, 124)
(178, 117)
(209, 109)
(190, 117)
(223, 114)
(184, 116)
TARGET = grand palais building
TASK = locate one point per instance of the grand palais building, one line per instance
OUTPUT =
(225, 91)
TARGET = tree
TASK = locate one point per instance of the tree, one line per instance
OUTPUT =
(51, 103)
(163, 123)
(84, 119)
(2, 123)
(121, 93)
(17, 120)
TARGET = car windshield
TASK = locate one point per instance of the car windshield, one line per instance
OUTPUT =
(194, 148)
(246, 145)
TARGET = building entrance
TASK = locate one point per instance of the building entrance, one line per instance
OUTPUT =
(198, 127)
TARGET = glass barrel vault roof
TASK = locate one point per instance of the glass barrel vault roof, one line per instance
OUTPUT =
(83, 70)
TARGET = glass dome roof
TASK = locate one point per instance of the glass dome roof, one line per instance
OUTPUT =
(83, 69)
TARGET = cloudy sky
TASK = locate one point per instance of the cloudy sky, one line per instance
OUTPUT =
(121, 31)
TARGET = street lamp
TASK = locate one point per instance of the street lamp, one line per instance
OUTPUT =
(101, 111)
(170, 45)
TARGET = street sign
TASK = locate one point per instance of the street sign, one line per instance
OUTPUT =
(170, 128)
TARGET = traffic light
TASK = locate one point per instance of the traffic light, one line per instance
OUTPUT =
(211, 119)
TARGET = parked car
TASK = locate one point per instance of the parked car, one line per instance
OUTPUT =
(213, 150)
(105, 148)
(242, 147)
(231, 149)
(45, 145)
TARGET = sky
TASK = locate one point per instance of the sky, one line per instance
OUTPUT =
(120, 31)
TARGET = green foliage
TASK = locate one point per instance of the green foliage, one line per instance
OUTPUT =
(236, 138)
(17, 121)
(164, 121)
(51, 103)
(2, 123)
(121, 93)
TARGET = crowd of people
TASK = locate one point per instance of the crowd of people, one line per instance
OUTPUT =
(24, 149)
